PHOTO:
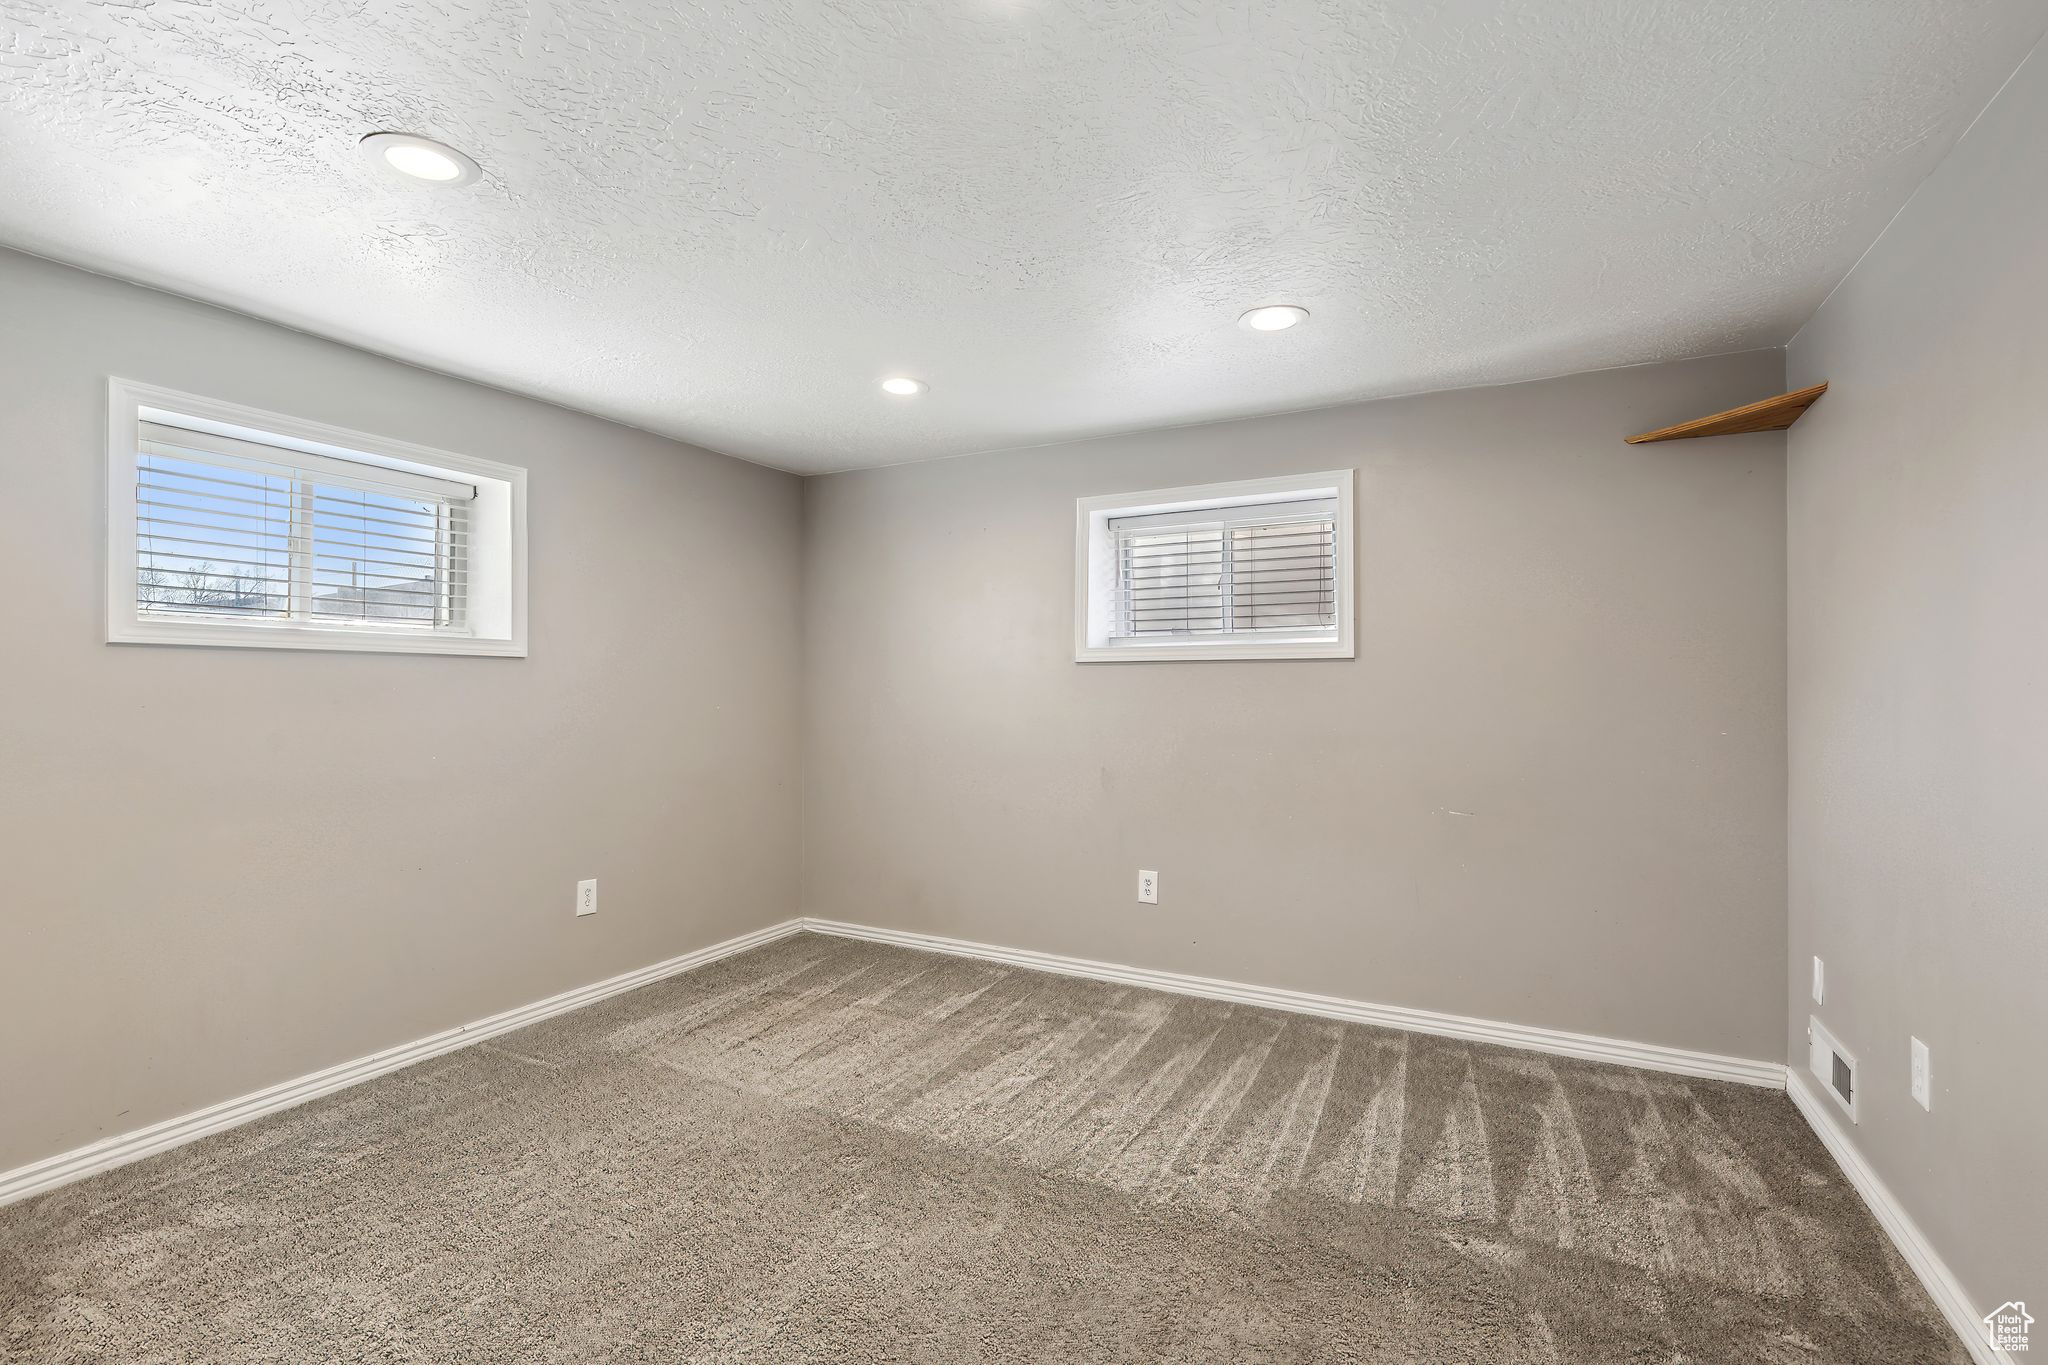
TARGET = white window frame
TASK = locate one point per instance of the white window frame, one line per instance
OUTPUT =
(1095, 571)
(496, 611)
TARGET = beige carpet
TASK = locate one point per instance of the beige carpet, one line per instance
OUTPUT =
(834, 1151)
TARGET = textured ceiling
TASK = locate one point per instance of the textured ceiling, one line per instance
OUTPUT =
(725, 220)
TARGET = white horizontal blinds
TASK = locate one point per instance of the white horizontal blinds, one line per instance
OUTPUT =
(1265, 569)
(212, 540)
(1283, 574)
(1170, 581)
(234, 530)
(301, 464)
(380, 559)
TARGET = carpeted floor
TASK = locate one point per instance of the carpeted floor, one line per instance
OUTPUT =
(835, 1151)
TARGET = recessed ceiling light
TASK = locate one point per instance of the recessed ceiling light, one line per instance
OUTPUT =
(903, 386)
(420, 159)
(1274, 318)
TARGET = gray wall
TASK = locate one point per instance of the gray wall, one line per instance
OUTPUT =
(1550, 788)
(1918, 517)
(225, 868)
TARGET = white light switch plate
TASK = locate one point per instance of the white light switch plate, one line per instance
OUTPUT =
(586, 897)
(1148, 887)
(1923, 1075)
(1820, 982)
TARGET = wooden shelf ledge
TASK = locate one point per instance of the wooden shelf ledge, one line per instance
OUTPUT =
(1772, 414)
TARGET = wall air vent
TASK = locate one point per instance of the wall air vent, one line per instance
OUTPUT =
(1832, 1066)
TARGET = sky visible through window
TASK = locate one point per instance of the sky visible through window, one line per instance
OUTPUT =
(218, 540)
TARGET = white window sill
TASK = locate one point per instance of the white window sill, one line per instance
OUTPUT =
(1174, 651)
(248, 635)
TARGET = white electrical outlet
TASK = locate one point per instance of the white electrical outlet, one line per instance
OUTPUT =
(586, 897)
(1148, 887)
(1923, 1076)
(1820, 982)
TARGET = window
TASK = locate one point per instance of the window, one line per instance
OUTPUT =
(1253, 570)
(229, 526)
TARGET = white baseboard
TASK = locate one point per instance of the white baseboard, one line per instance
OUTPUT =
(108, 1153)
(1650, 1056)
(1934, 1273)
